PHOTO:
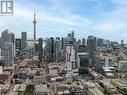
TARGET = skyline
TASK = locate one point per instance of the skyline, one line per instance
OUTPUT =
(103, 19)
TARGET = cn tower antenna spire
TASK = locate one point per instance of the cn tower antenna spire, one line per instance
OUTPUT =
(34, 23)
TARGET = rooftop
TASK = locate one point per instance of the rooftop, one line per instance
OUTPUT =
(41, 88)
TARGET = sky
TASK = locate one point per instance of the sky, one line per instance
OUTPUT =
(56, 18)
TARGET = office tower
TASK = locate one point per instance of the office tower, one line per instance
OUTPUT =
(62, 43)
(106, 43)
(69, 35)
(57, 38)
(83, 62)
(40, 50)
(122, 44)
(63, 48)
(57, 49)
(4, 38)
(52, 49)
(11, 38)
(100, 42)
(73, 59)
(35, 49)
(70, 58)
(83, 41)
(24, 40)
(7, 47)
(77, 44)
(71, 41)
(18, 44)
(91, 42)
(72, 34)
(69, 50)
(34, 23)
(8, 53)
(47, 49)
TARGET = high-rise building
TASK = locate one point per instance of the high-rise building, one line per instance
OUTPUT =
(52, 49)
(99, 42)
(40, 49)
(122, 43)
(91, 42)
(106, 43)
(72, 34)
(57, 49)
(8, 53)
(36, 47)
(4, 38)
(70, 58)
(18, 44)
(24, 40)
(73, 59)
(69, 35)
(8, 47)
(77, 44)
(69, 50)
(83, 62)
(62, 43)
(83, 41)
(11, 38)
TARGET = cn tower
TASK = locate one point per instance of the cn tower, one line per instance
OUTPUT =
(34, 22)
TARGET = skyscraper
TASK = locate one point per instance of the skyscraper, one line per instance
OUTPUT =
(47, 50)
(11, 38)
(40, 49)
(83, 62)
(8, 53)
(24, 40)
(52, 49)
(91, 42)
(122, 44)
(4, 38)
(69, 51)
(100, 42)
(83, 41)
(72, 34)
(57, 48)
(7, 47)
(34, 22)
(18, 44)
(62, 43)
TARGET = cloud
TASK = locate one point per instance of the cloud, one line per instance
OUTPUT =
(23, 13)
(66, 15)
(109, 26)
(120, 2)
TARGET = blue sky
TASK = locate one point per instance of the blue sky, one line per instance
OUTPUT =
(102, 18)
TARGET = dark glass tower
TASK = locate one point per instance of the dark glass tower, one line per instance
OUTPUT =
(40, 49)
